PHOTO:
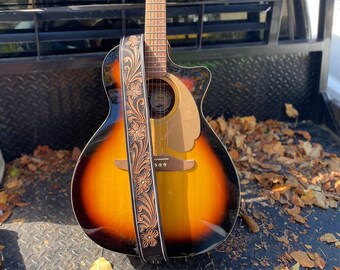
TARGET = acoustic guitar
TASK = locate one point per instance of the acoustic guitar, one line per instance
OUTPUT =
(195, 182)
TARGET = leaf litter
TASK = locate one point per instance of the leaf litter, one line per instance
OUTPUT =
(291, 170)
(24, 170)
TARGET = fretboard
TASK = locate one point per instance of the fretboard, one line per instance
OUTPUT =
(155, 38)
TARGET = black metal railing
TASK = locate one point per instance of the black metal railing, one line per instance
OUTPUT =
(50, 30)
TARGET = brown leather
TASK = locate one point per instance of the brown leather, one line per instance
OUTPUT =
(150, 242)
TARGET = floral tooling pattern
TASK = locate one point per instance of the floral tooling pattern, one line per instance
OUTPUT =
(139, 147)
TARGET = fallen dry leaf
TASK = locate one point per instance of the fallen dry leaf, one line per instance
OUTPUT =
(309, 197)
(337, 244)
(60, 154)
(252, 225)
(101, 264)
(304, 134)
(43, 151)
(274, 147)
(18, 221)
(283, 239)
(288, 132)
(296, 200)
(302, 258)
(222, 124)
(248, 124)
(291, 111)
(24, 160)
(3, 197)
(234, 154)
(32, 167)
(75, 153)
(214, 125)
(300, 219)
(295, 266)
(319, 262)
(13, 183)
(14, 172)
(337, 186)
(328, 237)
(307, 146)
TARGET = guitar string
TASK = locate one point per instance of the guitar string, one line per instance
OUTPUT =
(156, 84)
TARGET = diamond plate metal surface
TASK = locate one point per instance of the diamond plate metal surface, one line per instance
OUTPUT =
(64, 108)
(261, 85)
(61, 109)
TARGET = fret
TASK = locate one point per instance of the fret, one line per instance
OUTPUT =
(149, 72)
(157, 40)
(153, 52)
(156, 65)
(149, 51)
(157, 71)
(154, 47)
(159, 52)
(150, 25)
(153, 56)
(155, 9)
(157, 18)
(163, 27)
(154, 41)
(163, 32)
(155, 61)
(153, 69)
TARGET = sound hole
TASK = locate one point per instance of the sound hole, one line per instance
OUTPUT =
(161, 98)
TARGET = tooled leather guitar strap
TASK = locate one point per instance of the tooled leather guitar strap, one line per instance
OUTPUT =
(145, 205)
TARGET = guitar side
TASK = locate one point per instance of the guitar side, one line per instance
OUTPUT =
(198, 205)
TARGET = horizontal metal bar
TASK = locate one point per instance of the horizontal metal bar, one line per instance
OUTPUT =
(117, 33)
(234, 27)
(245, 49)
(17, 37)
(94, 60)
(236, 8)
(110, 10)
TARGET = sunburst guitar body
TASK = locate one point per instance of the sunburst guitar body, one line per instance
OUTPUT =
(198, 204)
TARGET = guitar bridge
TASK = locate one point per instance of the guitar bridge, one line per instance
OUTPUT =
(163, 163)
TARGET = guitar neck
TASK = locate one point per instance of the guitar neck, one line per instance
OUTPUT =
(155, 38)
